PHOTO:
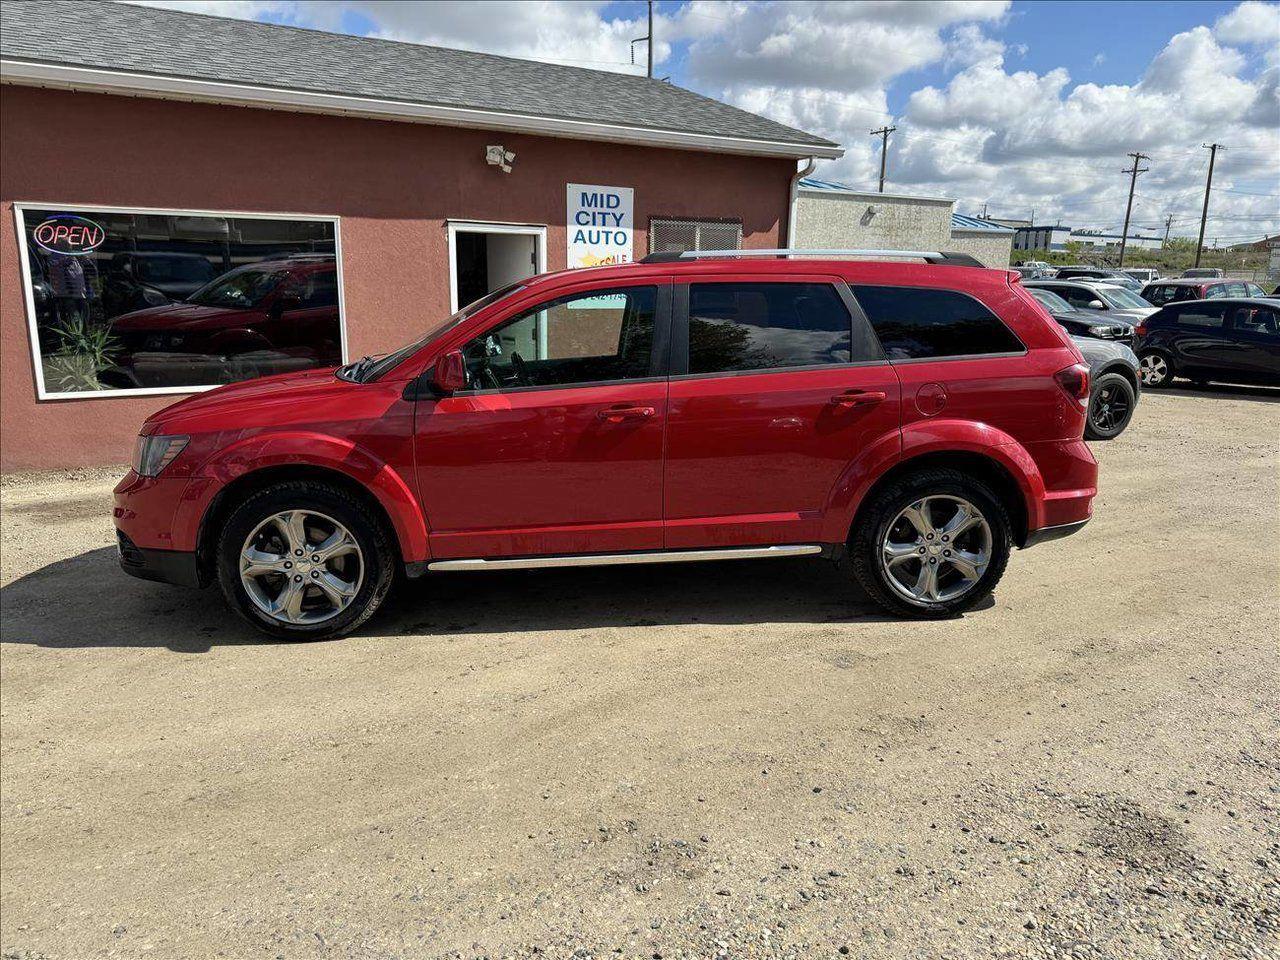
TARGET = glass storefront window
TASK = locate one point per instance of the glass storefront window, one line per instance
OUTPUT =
(164, 302)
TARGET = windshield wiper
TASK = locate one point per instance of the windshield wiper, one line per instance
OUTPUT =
(355, 371)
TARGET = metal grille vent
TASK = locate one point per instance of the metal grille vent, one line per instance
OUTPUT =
(672, 236)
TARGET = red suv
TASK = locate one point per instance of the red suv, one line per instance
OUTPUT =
(919, 418)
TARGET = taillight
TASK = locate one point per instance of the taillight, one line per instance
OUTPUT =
(1140, 330)
(1074, 380)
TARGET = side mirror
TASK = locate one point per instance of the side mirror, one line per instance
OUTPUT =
(450, 374)
(1097, 305)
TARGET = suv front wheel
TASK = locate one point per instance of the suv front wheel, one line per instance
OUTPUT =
(305, 561)
(932, 544)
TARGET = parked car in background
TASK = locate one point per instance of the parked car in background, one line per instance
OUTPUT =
(1114, 386)
(682, 408)
(1193, 272)
(1083, 323)
(135, 281)
(272, 316)
(1171, 291)
(1103, 274)
(1234, 340)
(1143, 274)
(1113, 302)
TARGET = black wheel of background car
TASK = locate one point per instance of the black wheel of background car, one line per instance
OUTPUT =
(305, 561)
(1157, 368)
(1110, 407)
(931, 544)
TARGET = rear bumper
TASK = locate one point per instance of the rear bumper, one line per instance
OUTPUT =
(1045, 534)
(164, 566)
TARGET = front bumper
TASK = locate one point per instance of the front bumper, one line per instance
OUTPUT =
(164, 566)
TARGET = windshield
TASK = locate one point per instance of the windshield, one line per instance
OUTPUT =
(1124, 299)
(1051, 301)
(239, 289)
(372, 371)
(174, 270)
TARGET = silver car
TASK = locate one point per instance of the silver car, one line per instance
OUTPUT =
(1114, 386)
(1111, 300)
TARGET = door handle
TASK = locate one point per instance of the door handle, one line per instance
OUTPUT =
(620, 414)
(859, 398)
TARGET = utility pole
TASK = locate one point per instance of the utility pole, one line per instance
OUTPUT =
(647, 39)
(1133, 182)
(650, 38)
(883, 134)
(1168, 223)
(1213, 149)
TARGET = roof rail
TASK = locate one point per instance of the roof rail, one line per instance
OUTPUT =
(938, 258)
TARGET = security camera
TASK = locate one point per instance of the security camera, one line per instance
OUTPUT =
(497, 156)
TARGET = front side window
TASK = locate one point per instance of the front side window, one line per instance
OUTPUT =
(157, 300)
(601, 336)
(1215, 291)
(1080, 297)
(919, 322)
(762, 326)
(1261, 321)
(1160, 294)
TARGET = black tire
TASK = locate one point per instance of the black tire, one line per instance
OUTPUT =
(872, 527)
(1111, 404)
(1157, 368)
(376, 543)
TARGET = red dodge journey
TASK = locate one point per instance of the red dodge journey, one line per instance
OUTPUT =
(919, 419)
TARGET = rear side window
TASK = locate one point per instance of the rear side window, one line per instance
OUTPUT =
(1206, 317)
(759, 326)
(917, 322)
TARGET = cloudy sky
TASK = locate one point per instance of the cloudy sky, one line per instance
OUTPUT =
(1024, 107)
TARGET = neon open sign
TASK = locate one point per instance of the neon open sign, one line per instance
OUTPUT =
(68, 234)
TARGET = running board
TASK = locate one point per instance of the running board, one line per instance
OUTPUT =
(608, 559)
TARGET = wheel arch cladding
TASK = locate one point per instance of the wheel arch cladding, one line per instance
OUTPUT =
(988, 469)
(241, 472)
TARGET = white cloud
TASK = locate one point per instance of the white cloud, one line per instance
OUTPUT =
(1015, 138)
(1250, 23)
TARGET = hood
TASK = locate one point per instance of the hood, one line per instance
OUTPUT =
(1131, 314)
(171, 316)
(238, 398)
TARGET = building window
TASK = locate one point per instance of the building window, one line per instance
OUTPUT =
(672, 236)
(124, 302)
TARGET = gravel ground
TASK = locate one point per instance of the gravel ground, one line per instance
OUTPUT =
(732, 760)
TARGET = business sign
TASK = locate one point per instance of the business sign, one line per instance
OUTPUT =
(68, 234)
(599, 225)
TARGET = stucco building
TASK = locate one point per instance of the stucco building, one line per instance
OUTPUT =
(833, 216)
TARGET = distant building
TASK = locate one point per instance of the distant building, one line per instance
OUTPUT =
(834, 216)
(1266, 243)
(1041, 238)
(1097, 238)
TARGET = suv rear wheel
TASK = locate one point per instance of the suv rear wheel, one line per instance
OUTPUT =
(304, 561)
(932, 544)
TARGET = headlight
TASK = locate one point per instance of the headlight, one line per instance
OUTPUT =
(1101, 331)
(152, 454)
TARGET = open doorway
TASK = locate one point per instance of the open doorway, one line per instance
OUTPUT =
(486, 256)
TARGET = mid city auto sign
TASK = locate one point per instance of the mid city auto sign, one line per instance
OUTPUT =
(599, 225)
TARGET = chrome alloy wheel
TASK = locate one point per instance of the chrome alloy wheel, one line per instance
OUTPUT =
(301, 567)
(936, 549)
(1155, 369)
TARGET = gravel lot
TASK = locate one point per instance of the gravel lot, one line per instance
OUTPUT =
(731, 760)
